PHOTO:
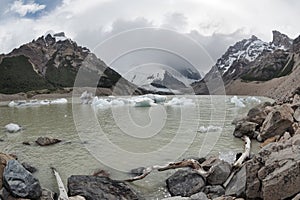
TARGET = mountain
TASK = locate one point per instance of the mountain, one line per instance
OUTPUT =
(158, 78)
(250, 67)
(52, 62)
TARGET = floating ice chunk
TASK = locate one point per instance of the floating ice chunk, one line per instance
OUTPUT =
(12, 104)
(86, 97)
(156, 98)
(210, 128)
(100, 103)
(12, 128)
(180, 102)
(143, 102)
(252, 100)
(229, 156)
(45, 102)
(117, 102)
(59, 101)
(238, 102)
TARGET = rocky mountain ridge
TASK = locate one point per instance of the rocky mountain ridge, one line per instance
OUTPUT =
(252, 60)
(53, 61)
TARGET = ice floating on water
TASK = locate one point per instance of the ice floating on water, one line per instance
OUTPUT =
(238, 102)
(180, 102)
(12, 128)
(229, 156)
(156, 98)
(59, 101)
(209, 128)
(104, 103)
(86, 97)
(143, 102)
(31, 103)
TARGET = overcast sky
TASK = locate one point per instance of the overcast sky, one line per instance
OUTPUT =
(214, 24)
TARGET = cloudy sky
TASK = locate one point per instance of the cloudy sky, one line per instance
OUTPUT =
(214, 24)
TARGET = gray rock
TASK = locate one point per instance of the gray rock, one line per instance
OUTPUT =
(137, 171)
(45, 141)
(245, 128)
(297, 114)
(185, 183)
(199, 196)
(237, 185)
(19, 182)
(220, 172)
(213, 191)
(47, 195)
(99, 188)
(277, 122)
(28, 167)
(258, 113)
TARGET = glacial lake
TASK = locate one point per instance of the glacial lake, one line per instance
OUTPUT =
(119, 138)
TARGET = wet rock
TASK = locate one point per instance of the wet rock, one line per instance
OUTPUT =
(137, 171)
(48, 195)
(213, 191)
(45, 141)
(26, 143)
(297, 114)
(258, 113)
(19, 182)
(99, 188)
(220, 172)
(4, 158)
(29, 168)
(277, 122)
(245, 128)
(185, 183)
(237, 185)
(199, 196)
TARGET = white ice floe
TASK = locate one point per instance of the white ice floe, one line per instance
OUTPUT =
(237, 101)
(252, 100)
(156, 98)
(229, 156)
(143, 102)
(12, 128)
(180, 102)
(31, 103)
(210, 128)
(59, 101)
(86, 97)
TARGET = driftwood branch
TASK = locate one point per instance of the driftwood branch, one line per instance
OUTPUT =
(62, 191)
(239, 163)
(194, 164)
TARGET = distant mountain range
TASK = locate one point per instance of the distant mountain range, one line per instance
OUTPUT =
(254, 67)
(52, 62)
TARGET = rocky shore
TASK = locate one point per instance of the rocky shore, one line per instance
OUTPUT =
(272, 174)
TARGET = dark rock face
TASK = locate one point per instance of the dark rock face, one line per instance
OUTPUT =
(4, 158)
(185, 183)
(28, 167)
(245, 128)
(220, 172)
(237, 185)
(137, 171)
(213, 191)
(45, 141)
(19, 182)
(99, 188)
(281, 40)
(277, 122)
(258, 113)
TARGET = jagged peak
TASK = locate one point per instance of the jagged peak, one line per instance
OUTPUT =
(281, 40)
(60, 36)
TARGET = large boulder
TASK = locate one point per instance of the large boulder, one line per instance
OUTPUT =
(280, 173)
(19, 182)
(185, 183)
(220, 172)
(4, 158)
(237, 185)
(213, 191)
(258, 113)
(245, 128)
(99, 188)
(277, 122)
(45, 141)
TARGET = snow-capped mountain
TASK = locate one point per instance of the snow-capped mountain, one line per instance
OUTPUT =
(159, 78)
(251, 60)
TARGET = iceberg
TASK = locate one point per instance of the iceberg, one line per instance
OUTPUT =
(59, 101)
(86, 97)
(180, 102)
(143, 102)
(156, 98)
(12, 128)
(237, 102)
(252, 100)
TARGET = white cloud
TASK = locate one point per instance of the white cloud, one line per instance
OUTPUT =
(23, 9)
